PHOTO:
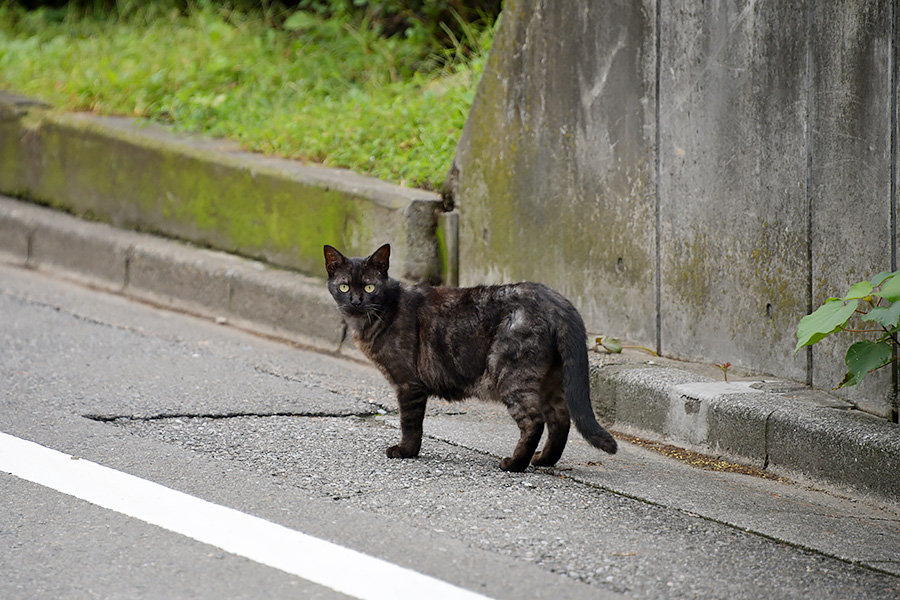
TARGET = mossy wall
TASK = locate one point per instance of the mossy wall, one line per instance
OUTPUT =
(211, 193)
(696, 176)
(555, 172)
(733, 207)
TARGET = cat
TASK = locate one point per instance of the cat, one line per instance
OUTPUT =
(521, 344)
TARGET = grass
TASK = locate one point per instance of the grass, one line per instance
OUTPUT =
(327, 91)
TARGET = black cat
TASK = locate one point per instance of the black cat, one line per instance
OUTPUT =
(521, 344)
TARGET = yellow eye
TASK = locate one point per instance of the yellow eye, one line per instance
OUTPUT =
(344, 288)
(369, 288)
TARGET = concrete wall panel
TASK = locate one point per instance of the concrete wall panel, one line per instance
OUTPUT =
(850, 170)
(555, 171)
(732, 180)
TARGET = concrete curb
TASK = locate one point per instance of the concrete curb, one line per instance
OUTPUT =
(777, 425)
(773, 424)
(173, 274)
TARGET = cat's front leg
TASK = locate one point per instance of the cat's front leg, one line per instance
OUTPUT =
(412, 413)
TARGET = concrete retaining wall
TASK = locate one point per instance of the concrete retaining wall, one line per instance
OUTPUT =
(211, 193)
(696, 176)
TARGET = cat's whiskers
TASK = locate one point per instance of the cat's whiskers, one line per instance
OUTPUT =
(374, 311)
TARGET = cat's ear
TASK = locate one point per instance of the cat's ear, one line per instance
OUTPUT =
(380, 259)
(334, 260)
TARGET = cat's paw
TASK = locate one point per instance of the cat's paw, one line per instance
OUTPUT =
(399, 451)
(539, 461)
(508, 464)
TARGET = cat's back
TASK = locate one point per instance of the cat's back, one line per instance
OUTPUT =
(483, 309)
(466, 334)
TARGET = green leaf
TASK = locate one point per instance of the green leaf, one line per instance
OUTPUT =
(299, 20)
(828, 318)
(864, 357)
(849, 379)
(612, 345)
(886, 316)
(890, 289)
(880, 278)
(859, 290)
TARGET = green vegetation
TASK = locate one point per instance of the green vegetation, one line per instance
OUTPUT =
(876, 301)
(319, 85)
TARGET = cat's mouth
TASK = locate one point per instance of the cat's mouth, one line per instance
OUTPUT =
(366, 313)
(356, 311)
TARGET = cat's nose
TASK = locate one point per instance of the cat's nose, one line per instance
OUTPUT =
(355, 301)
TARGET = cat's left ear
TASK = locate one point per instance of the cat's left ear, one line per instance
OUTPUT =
(380, 259)
(333, 260)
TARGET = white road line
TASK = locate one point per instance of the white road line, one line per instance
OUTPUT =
(327, 564)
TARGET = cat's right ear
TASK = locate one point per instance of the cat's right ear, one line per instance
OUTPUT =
(334, 260)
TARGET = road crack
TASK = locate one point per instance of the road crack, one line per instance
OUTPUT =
(118, 419)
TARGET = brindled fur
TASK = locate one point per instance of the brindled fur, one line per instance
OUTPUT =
(520, 344)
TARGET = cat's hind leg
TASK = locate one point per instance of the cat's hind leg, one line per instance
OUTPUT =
(556, 416)
(531, 425)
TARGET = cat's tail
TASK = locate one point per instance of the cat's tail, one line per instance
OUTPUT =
(571, 339)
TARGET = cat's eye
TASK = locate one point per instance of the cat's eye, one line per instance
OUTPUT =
(369, 288)
(344, 288)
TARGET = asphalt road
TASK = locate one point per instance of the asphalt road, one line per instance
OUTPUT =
(296, 438)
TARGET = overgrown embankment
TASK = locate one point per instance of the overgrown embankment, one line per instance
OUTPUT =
(326, 84)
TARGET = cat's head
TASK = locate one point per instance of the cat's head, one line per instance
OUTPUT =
(358, 285)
